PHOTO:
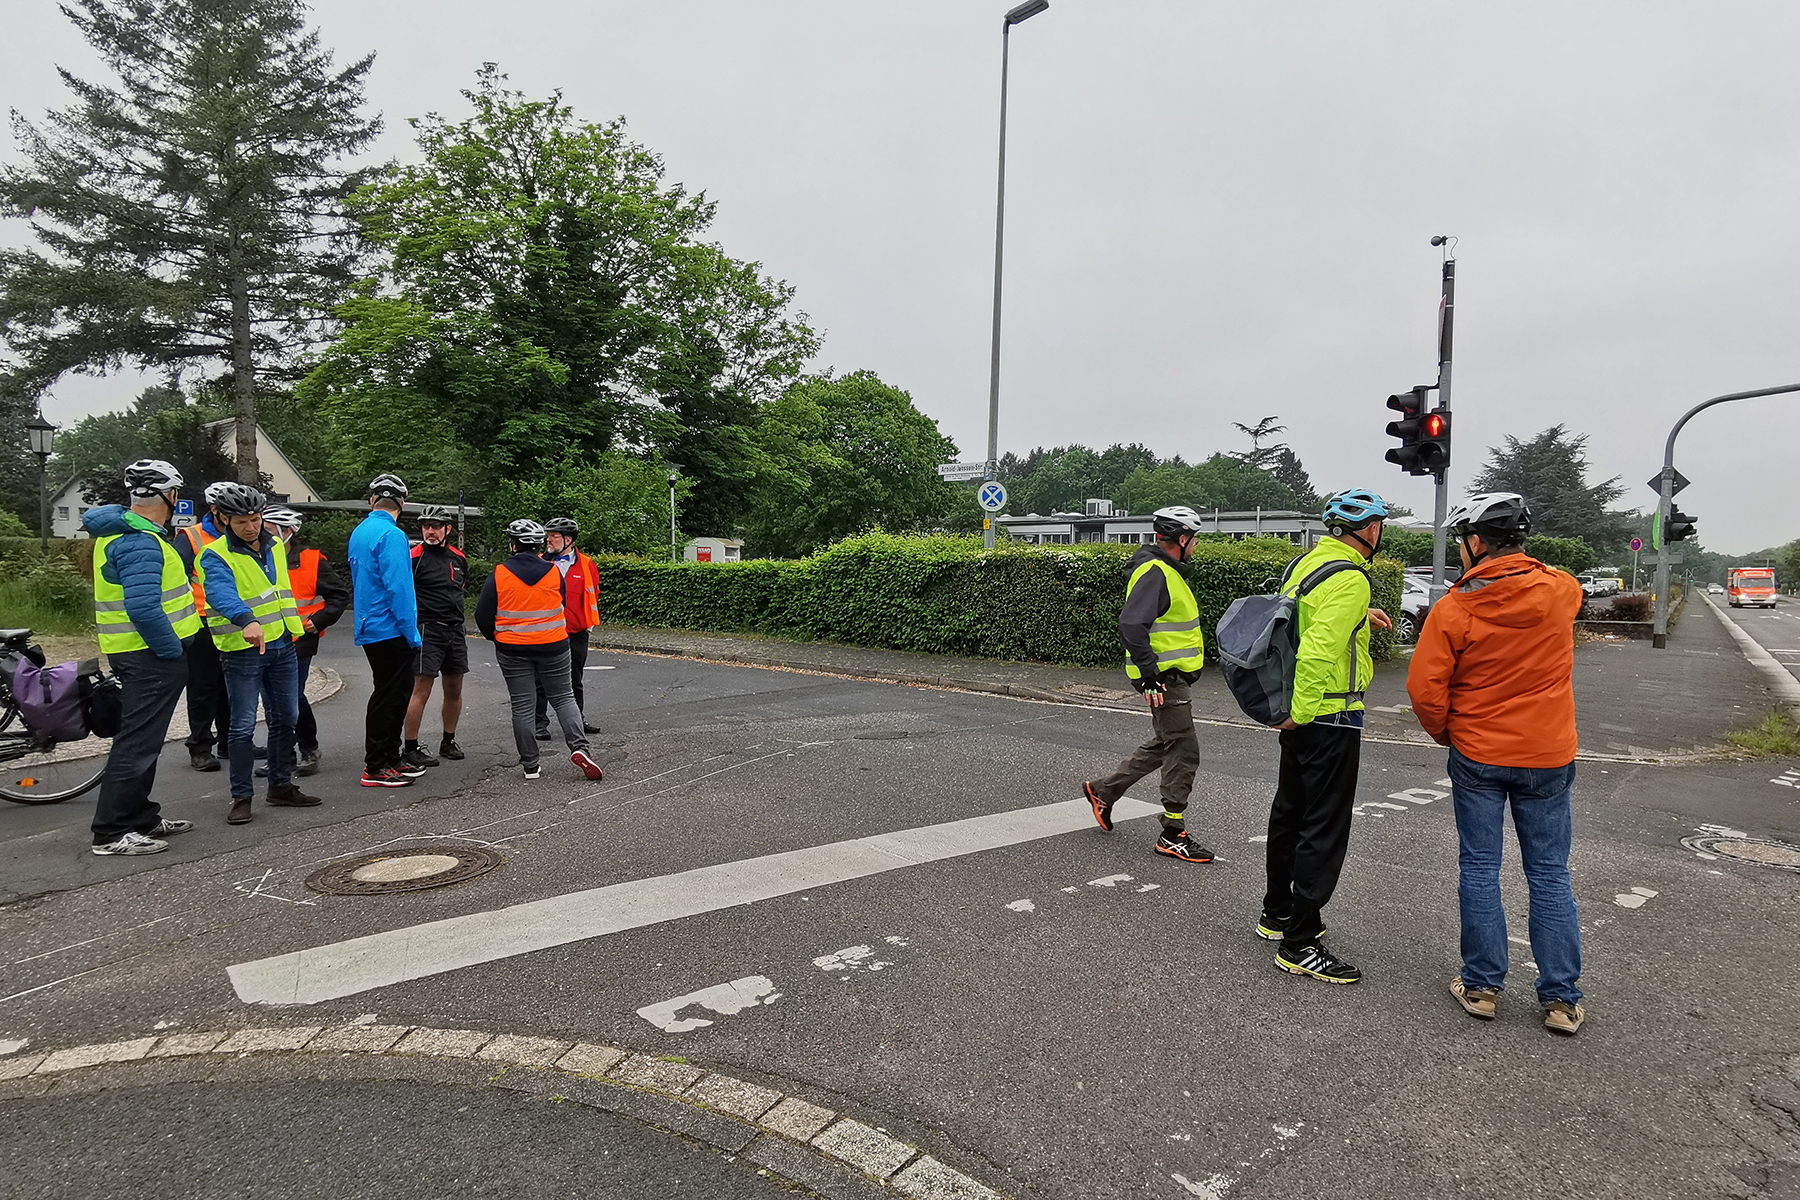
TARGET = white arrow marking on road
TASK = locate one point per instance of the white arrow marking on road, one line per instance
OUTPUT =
(378, 960)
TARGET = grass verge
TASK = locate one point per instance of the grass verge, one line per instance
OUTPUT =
(1777, 735)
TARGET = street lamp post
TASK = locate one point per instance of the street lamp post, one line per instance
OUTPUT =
(674, 474)
(1023, 12)
(41, 436)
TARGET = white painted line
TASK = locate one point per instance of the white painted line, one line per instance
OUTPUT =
(724, 999)
(1107, 881)
(599, 668)
(414, 952)
(1022, 906)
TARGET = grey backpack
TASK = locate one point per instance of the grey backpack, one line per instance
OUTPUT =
(1258, 644)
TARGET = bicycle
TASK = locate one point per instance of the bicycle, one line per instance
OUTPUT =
(31, 772)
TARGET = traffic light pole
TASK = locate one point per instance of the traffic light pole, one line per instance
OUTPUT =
(1439, 540)
(1666, 494)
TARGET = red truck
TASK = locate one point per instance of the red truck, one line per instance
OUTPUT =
(1751, 585)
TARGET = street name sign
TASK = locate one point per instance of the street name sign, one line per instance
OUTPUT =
(992, 496)
(962, 472)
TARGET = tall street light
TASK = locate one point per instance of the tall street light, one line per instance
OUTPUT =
(1023, 12)
(41, 436)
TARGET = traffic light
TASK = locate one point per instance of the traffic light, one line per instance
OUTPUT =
(1434, 440)
(1410, 430)
(1680, 526)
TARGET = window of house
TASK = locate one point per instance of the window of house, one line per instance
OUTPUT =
(62, 512)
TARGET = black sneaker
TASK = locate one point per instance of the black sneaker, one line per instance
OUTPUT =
(409, 770)
(543, 733)
(1271, 929)
(418, 756)
(449, 749)
(1102, 808)
(1315, 960)
(1184, 847)
(309, 762)
(203, 760)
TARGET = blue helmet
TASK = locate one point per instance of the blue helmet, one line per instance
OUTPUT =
(1353, 509)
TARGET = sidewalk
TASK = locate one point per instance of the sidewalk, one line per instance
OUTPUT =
(1631, 700)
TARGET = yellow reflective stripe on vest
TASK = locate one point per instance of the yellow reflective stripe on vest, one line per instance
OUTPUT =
(117, 633)
(1175, 637)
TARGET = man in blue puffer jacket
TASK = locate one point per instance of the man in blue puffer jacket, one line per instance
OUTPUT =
(144, 615)
(387, 628)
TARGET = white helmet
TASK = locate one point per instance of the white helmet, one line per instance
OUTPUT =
(526, 532)
(152, 477)
(1174, 521)
(281, 518)
(1496, 516)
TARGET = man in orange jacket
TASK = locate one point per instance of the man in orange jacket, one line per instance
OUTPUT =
(1492, 680)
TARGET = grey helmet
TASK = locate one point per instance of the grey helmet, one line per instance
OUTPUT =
(563, 525)
(435, 514)
(526, 532)
(152, 477)
(387, 487)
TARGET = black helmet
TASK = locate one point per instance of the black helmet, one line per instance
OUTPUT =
(435, 514)
(526, 533)
(387, 487)
(1501, 517)
(152, 477)
(238, 500)
(563, 525)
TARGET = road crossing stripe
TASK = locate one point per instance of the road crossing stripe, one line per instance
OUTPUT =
(378, 960)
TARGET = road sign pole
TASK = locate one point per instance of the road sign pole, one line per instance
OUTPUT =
(1665, 493)
(1439, 536)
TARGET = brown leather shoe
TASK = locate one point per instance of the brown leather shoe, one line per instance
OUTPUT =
(291, 797)
(239, 814)
(1477, 1002)
(1563, 1017)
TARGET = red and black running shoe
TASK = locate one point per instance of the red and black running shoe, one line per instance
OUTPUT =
(1102, 808)
(384, 777)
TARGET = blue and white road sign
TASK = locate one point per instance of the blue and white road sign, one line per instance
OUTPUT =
(184, 508)
(992, 496)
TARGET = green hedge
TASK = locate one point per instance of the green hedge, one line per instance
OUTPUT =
(22, 554)
(942, 595)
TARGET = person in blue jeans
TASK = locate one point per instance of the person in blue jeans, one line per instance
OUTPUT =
(250, 610)
(1492, 679)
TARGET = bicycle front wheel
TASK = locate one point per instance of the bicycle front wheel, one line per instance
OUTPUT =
(28, 777)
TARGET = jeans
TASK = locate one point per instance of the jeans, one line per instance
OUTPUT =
(391, 661)
(578, 652)
(1309, 824)
(527, 670)
(306, 729)
(1173, 748)
(1540, 809)
(152, 688)
(208, 709)
(272, 678)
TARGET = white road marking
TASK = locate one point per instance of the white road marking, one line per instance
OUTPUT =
(1261, 837)
(599, 668)
(1213, 1187)
(1521, 941)
(1637, 897)
(1723, 831)
(1149, 887)
(1022, 906)
(1419, 795)
(1107, 881)
(13, 1045)
(726, 999)
(415, 952)
(851, 958)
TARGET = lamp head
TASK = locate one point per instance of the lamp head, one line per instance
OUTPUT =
(1026, 11)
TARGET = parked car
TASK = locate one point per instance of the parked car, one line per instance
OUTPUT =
(1415, 602)
(1601, 585)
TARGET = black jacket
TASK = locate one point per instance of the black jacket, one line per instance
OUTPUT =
(441, 581)
(530, 569)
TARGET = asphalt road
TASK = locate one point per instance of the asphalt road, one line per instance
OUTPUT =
(1778, 628)
(1062, 1015)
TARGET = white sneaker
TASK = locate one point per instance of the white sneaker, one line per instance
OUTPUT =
(133, 843)
(533, 772)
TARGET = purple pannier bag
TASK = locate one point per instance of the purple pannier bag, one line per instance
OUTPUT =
(53, 700)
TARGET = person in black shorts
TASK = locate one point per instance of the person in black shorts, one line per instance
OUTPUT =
(441, 579)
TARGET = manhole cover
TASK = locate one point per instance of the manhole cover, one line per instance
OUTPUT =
(408, 870)
(1764, 852)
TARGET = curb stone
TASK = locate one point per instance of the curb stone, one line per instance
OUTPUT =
(834, 1155)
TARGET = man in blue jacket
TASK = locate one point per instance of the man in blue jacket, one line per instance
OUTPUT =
(144, 615)
(387, 628)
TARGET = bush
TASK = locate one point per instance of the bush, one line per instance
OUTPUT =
(22, 554)
(1635, 607)
(50, 596)
(942, 595)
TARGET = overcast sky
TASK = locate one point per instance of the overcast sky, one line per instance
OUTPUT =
(1216, 212)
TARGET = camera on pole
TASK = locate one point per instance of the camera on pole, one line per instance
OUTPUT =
(1410, 429)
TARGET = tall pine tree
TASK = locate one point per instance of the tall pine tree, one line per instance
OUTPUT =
(191, 210)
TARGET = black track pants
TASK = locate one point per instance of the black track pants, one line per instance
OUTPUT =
(1309, 824)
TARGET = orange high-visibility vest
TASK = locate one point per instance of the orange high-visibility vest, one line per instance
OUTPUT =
(198, 539)
(589, 603)
(303, 577)
(528, 614)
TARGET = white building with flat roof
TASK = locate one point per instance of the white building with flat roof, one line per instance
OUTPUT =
(1101, 522)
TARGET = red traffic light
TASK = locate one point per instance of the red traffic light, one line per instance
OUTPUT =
(1434, 425)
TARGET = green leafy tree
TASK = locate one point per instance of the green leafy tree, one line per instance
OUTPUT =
(547, 297)
(1285, 466)
(620, 501)
(1222, 482)
(190, 210)
(1260, 455)
(1571, 554)
(1551, 471)
(844, 455)
(1411, 547)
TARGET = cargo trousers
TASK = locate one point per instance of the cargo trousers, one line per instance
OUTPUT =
(1173, 748)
